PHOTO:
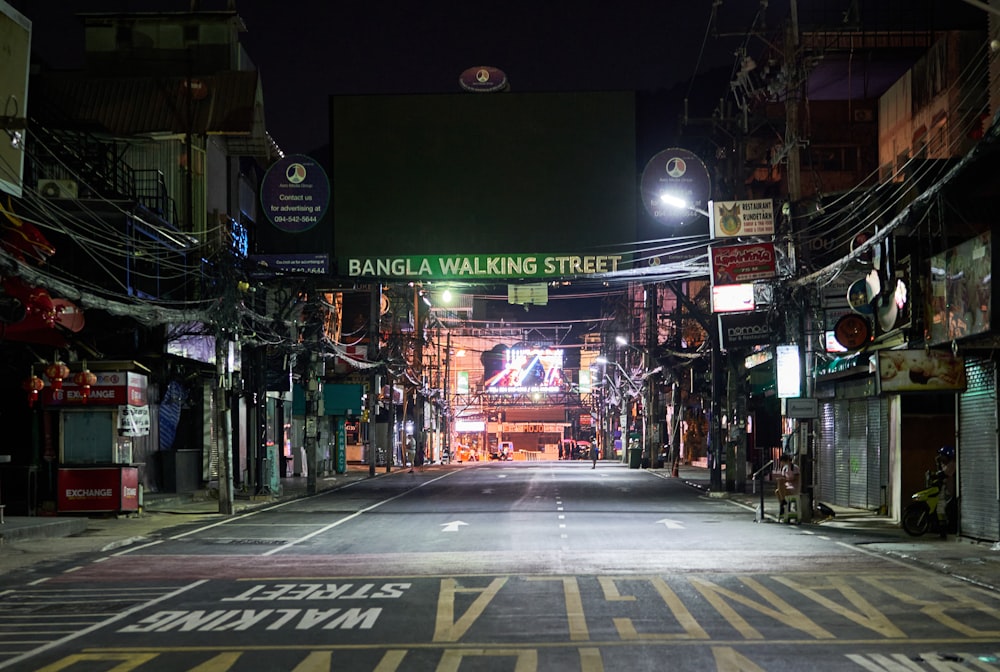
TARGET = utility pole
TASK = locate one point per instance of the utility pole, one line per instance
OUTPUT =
(792, 131)
(223, 434)
(715, 417)
(315, 373)
(651, 402)
(375, 314)
(314, 411)
(792, 105)
(418, 373)
(447, 401)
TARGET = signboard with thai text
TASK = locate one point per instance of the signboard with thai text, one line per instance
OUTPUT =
(133, 420)
(735, 264)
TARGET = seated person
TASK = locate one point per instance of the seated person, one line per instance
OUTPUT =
(788, 480)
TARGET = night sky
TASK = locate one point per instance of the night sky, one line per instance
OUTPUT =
(308, 50)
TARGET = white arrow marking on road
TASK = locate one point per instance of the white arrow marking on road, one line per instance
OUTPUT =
(452, 526)
(487, 491)
(671, 524)
(501, 475)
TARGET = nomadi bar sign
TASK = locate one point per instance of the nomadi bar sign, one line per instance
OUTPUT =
(483, 266)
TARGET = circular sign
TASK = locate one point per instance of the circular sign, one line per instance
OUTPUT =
(680, 175)
(852, 331)
(483, 79)
(859, 297)
(295, 193)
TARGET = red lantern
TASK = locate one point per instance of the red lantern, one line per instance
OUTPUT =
(33, 386)
(84, 379)
(56, 372)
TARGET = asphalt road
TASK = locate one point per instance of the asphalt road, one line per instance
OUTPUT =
(498, 566)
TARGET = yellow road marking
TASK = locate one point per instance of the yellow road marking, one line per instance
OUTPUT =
(446, 629)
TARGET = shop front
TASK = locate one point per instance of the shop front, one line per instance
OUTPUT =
(98, 429)
(337, 423)
(979, 451)
(852, 438)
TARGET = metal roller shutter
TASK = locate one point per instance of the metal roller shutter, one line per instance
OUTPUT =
(877, 472)
(842, 453)
(977, 452)
(826, 443)
(857, 440)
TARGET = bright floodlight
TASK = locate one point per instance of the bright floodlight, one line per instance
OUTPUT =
(674, 201)
(446, 296)
(621, 340)
(601, 359)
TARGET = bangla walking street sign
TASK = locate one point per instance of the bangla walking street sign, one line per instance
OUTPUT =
(483, 266)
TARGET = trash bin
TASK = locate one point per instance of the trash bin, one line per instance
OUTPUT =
(634, 458)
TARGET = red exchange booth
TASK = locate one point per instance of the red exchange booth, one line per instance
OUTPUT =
(97, 428)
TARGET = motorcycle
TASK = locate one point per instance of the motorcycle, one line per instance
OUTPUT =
(920, 515)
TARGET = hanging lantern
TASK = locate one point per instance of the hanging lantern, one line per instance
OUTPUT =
(33, 386)
(56, 372)
(83, 380)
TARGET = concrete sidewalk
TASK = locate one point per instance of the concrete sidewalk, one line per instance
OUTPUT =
(25, 541)
(156, 505)
(29, 541)
(976, 562)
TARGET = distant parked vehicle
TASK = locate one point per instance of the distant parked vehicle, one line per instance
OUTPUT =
(571, 449)
(504, 451)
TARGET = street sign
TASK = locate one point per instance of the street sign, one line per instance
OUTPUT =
(803, 408)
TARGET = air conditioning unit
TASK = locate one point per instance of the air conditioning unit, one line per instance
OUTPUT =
(58, 188)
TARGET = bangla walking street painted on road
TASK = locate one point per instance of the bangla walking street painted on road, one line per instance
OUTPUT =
(879, 621)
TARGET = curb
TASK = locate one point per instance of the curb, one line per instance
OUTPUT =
(57, 527)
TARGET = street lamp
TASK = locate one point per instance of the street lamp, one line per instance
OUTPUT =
(677, 202)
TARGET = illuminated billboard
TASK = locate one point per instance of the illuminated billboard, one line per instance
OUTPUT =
(526, 370)
(732, 298)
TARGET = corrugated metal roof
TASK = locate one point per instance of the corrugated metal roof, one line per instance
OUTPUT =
(223, 103)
